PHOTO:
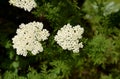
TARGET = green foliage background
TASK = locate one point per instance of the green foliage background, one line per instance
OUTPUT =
(99, 59)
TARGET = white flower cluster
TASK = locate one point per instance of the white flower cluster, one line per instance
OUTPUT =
(68, 37)
(27, 5)
(28, 38)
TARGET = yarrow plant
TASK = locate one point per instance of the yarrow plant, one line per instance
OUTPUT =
(27, 5)
(28, 38)
(68, 37)
(63, 52)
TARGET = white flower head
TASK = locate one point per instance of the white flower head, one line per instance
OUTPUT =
(27, 5)
(68, 37)
(28, 38)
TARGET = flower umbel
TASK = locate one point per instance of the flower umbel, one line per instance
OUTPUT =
(27, 5)
(28, 38)
(68, 37)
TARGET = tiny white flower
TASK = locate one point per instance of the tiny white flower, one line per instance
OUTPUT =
(27, 5)
(28, 38)
(68, 37)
